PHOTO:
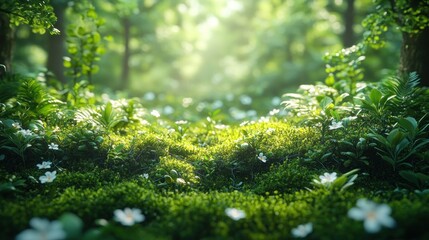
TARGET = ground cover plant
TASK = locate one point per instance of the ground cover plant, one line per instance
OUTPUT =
(345, 158)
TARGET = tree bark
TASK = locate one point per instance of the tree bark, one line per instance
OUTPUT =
(6, 43)
(56, 49)
(415, 55)
(349, 19)
(125, 75)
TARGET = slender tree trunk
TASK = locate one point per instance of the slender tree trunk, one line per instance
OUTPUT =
(56, 49)
(126, 24)
(6, 43)
(415, 55)
(349, 18)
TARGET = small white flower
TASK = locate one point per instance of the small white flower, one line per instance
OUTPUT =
(235, 214)
(181, 181)
(171, 130)
(53, 146)
(155, 113)
(48, 177)
(186, 102)
(26, 132)
(270, 130)
(244, 145)
(181, 122)
(128, 216)
(144, 122)
(351, 118)
(44, 165)
(335, 125)
(43, 230)
(328, 178)
(374, 215)
(302, 230)
(264, 119)
(145, 175)
(262, 157)
(274, 112)
(16, 125)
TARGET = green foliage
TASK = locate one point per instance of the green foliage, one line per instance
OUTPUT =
(106, 118)
(83, 143)
(84, 43)
(377, 105)
(29, 100)
(38, 14)
(12, 184)
(344, 68)
(409, 98)
(401, 143)
(339, 184)
(176, 173)
(410, 16)
(202, 215)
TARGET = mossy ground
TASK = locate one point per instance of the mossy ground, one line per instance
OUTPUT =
(219, 167)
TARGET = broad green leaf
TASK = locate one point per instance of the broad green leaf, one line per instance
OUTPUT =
(375, 96)
(326, 101)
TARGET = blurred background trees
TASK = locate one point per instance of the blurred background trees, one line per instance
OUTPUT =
(208, 49)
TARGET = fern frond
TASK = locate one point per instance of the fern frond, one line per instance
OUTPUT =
(34, 97)
(403, 87)
(87, 115)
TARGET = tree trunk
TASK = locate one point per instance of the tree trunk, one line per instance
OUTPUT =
(56, 49)
(349, 17)
(126, 57)
(6, 43)
(415, 55)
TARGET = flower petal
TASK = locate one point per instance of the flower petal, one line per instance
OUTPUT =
(356, 214)
(371, 225)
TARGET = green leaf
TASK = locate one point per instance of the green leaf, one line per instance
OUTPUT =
(375, 96)
(395, 137)
(410, 125)
(326, 101)
(72, 225)
(410, 176)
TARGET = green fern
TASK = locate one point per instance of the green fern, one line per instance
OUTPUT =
(34, 101)
(406, 92)
(107, 117)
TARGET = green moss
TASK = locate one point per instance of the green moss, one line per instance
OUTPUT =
(287, 177)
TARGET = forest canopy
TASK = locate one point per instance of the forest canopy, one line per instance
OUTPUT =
(263, 48)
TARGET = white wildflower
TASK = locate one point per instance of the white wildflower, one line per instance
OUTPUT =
(262, 157)
(48, 177)
(374, 215)
(44, 165)
(43, 230)
(235, 214)
(155, 113)
(128, 216)
(53, 146)
(302, 230)
(335, 125)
